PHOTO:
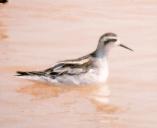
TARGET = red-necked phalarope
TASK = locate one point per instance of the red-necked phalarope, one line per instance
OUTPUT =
(89, 69)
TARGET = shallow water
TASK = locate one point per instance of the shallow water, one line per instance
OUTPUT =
(34, 35)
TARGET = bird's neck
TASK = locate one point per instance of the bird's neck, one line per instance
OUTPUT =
(101, 51)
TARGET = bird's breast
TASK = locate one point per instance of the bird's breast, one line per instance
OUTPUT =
(102, 71)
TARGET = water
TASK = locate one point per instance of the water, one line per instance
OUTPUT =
(34, 35)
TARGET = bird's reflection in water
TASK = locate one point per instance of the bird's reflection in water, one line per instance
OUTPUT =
(98, 95)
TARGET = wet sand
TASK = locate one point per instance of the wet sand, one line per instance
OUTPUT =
(34, 35)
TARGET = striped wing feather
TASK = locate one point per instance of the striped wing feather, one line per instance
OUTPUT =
(70, 67)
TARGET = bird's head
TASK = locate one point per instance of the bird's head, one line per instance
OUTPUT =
(108, 40)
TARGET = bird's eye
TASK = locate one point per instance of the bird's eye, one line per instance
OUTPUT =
(109, 40)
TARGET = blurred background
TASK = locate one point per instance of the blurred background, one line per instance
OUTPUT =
(35, 34)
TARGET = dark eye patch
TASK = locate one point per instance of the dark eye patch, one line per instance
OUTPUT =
(110, 40)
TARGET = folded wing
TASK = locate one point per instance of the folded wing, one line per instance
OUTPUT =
(69, 67)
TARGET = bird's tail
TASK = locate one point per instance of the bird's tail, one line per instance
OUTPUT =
(39, 76)
(33, 73)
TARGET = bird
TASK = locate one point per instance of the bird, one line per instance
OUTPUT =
(86, 70)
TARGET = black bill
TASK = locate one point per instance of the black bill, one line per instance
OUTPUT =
(125, 47)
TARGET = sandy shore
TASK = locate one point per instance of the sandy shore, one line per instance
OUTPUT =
(34, 35)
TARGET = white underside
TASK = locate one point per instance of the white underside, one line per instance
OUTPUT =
(91, 77)
(94, 75)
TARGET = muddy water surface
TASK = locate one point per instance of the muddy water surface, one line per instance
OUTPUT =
(34, 35)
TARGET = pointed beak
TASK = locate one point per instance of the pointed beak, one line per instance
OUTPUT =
(125, 47)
